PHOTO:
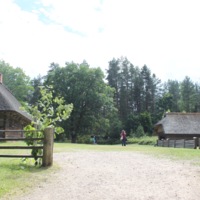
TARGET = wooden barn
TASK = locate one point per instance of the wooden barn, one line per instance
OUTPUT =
(11, 116)
(177, 126)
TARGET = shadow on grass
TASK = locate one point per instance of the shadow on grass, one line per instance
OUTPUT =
(20, 165)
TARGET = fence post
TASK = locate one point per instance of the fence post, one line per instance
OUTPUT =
(195, 142)
(48, 147)
(199, 143)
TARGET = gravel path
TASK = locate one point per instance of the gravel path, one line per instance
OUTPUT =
(89, 175)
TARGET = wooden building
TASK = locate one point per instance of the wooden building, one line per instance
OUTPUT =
(11, 116)
(176, 126)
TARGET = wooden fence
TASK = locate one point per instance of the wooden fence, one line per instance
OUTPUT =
(46, 146)
(192, 144)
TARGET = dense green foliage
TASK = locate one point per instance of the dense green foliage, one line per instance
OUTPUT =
(93, 108)
(50, 109)
(128, 97)
(16, 81)
(136, 94)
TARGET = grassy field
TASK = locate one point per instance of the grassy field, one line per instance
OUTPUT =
(172, 153)
(15, 175)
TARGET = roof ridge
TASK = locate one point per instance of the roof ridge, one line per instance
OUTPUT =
(9, 98)
(181, 113)
(8, 89)
(10, 102)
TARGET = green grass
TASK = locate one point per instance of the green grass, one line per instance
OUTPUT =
(15, 175)
(172, 153)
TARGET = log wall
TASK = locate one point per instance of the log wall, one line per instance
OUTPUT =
(191, 144)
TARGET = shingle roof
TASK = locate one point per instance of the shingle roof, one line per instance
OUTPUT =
(180, 123)
(9, 103)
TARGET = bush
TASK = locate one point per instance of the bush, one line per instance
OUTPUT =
(140, 131)
(146, 140)
(85, 139)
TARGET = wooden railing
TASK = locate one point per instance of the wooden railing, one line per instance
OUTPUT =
(46, 146)
(192, 144)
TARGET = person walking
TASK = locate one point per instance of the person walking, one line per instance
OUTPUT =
(123, 137)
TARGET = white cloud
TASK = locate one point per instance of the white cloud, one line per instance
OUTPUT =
(164, 35)
(80, 16)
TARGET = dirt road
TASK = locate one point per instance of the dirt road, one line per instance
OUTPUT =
(89, 175)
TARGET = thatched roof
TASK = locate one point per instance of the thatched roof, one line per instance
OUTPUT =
(9, 103)
(180, 123)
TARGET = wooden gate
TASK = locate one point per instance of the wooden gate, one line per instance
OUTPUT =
(46, 146)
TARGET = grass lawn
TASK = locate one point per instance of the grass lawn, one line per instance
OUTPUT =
(15, 175)
(172, 153)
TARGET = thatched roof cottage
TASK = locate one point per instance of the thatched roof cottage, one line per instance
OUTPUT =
(178, 126)
(11, 116)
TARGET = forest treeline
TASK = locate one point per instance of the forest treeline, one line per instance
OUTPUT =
(126, 97)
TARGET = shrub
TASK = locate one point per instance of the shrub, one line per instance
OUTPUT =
(85, 139)
(140, 131)
(145, 140)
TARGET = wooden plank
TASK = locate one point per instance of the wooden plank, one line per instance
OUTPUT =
(21, 147)
(190, 144)
(160, 143)
(179, 144)
(171, 143)
(18, 139)
(19, 131)
(19, 156)
(165, 143)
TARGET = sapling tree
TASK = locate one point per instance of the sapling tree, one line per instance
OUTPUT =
(47, 112)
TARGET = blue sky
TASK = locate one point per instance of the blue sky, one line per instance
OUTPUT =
(163, 34)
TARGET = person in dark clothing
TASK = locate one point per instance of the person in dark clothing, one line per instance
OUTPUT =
(123, 137)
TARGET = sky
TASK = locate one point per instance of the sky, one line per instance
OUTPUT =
(162, 34)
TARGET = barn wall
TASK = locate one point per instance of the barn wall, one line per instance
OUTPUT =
(2, 125)
(179, 137)
(11, 121)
